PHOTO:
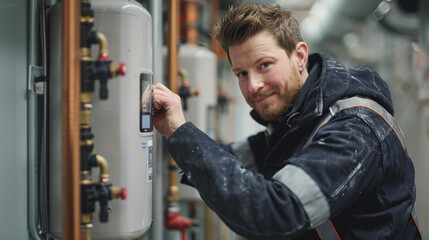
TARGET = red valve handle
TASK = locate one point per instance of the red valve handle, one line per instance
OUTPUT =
(122, 69)
(123, 193)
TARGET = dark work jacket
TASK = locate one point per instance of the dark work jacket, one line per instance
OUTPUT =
(354, 171)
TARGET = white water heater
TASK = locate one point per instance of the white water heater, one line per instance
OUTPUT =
(201, 66)
(121, 124)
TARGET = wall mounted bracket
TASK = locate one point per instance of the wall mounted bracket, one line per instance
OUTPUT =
(36, 81)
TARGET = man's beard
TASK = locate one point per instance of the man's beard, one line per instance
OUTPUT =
(269, 114)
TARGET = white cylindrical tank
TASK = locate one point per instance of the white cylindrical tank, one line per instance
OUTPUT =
(121, 124)
(201, 66)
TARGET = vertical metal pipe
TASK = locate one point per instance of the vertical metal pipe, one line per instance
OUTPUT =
(33, 204)
(159, 166)
(70, 116)
(173, 81)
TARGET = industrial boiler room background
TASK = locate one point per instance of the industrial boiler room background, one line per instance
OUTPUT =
(37, 137)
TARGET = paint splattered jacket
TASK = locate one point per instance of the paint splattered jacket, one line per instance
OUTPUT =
(354, 171)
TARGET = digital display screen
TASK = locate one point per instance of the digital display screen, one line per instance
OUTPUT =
(146, 102)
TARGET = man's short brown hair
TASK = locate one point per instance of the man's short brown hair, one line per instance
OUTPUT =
(244, 21)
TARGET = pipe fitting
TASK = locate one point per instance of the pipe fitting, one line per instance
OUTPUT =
(103, 53)
(173, 194)
(86, 231)
(85, 115)
(86, 97)
(185, 90)
(116, 192)
(85, 54)
(174, 221)
(104, 168)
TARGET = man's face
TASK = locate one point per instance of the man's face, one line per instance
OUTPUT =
(269, 80)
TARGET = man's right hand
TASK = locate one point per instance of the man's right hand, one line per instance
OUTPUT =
(168, 115)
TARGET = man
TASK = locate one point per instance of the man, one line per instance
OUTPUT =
(324, 169)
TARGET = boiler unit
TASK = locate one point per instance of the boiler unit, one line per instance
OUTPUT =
(199, 66)
(121, 124)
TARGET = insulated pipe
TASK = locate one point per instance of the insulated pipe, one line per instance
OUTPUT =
(393, 20)
(424, 24)
(70, 123)
(331, 19)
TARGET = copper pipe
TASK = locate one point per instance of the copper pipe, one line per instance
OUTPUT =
(173, 189)
(104, 168)
(70, 123)
(172, 41)
(190, 21)
(173, 81)
(215, 45)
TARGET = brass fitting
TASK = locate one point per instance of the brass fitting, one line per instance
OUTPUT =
(85, 54)
(115, 191)
(173, 194)
(86, 97)
(87, 142)
(85, 178)
(84, 19)
(104, 168)
(86, 231)
(113, 69)
(184, 74)
(104, 51)
(86, 218)
(85, 117)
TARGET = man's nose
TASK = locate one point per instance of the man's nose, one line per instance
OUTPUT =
(255, 82)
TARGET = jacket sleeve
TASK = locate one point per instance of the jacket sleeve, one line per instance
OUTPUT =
(250, 205)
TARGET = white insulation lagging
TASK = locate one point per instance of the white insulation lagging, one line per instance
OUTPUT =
(116, 122)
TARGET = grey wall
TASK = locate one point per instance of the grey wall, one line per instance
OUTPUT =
(13, 119)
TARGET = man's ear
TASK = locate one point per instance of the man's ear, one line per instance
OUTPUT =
(301, 51)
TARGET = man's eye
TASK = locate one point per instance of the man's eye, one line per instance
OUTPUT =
(241, 74)
(265, 65)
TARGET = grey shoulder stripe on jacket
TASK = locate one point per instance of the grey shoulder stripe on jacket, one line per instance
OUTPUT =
(308, 192)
